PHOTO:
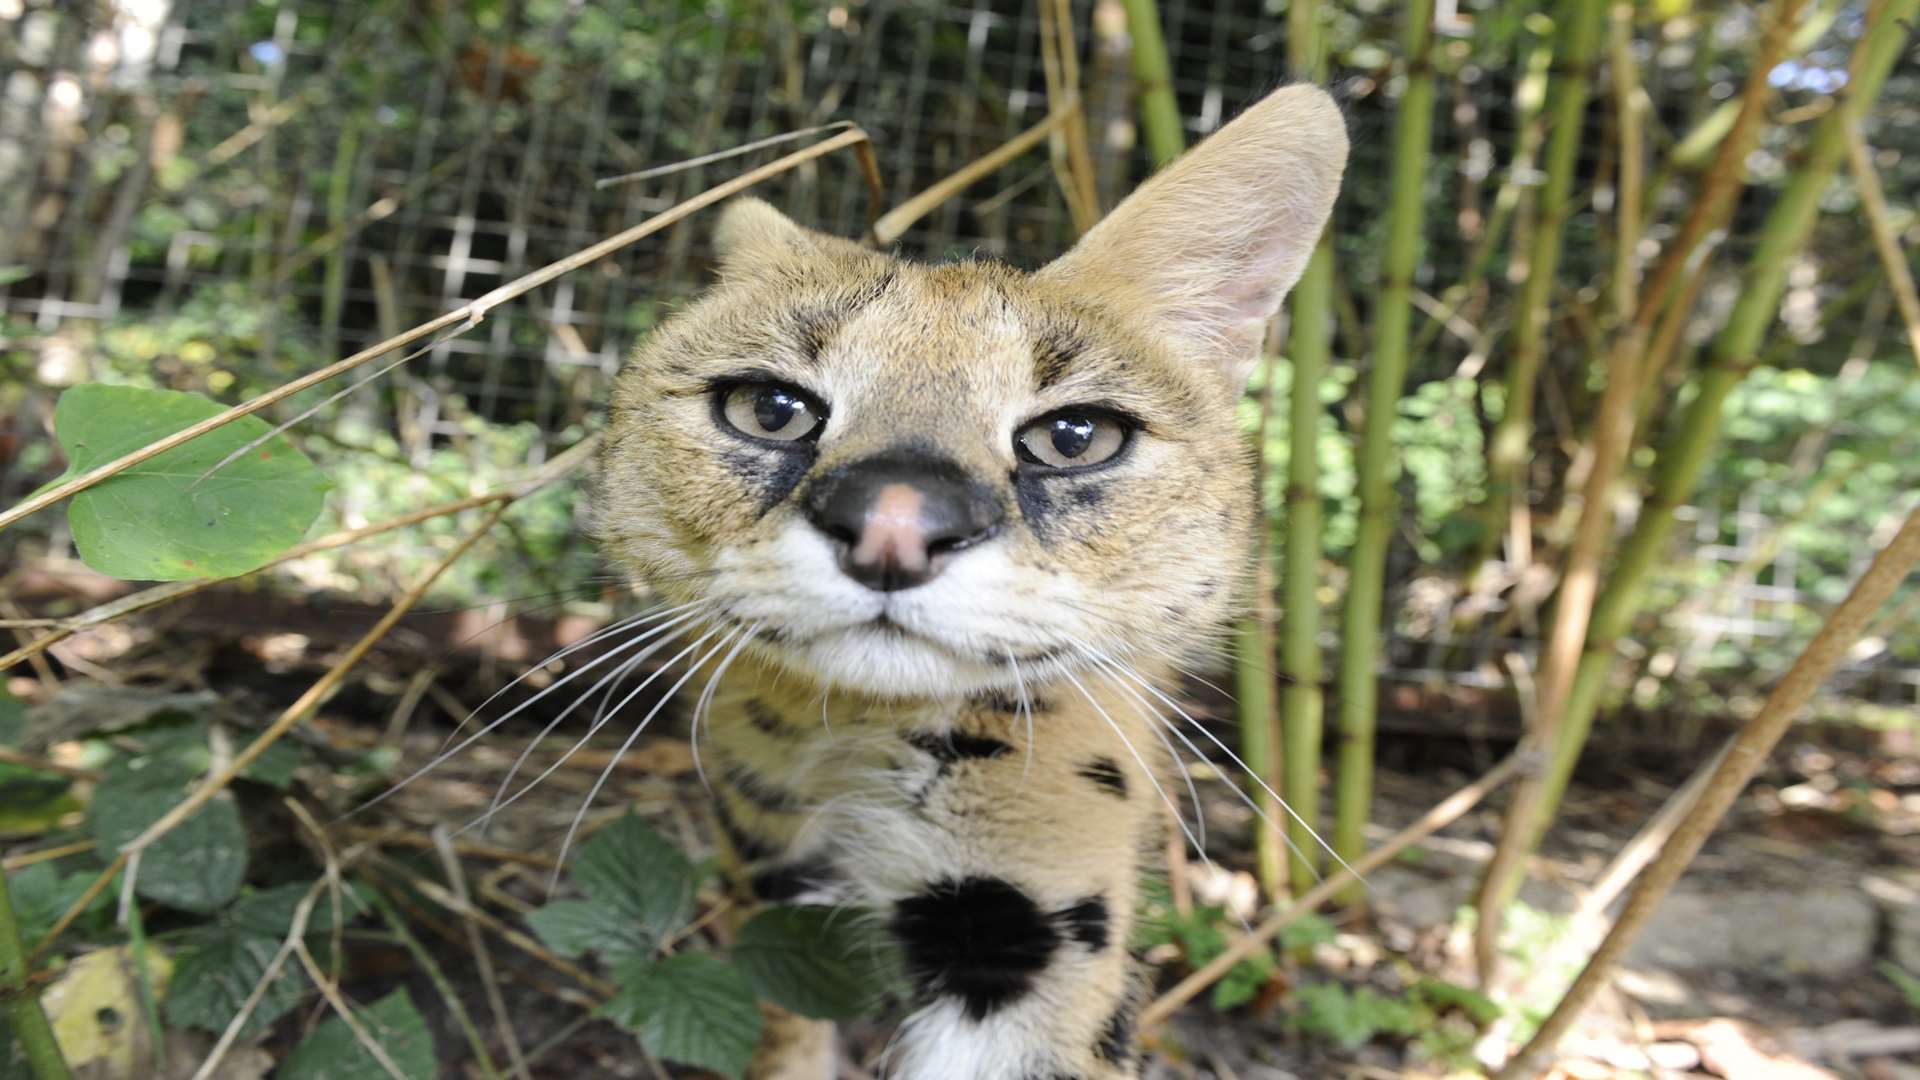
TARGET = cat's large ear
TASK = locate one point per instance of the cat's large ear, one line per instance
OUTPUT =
(1210, 245)
(751, 233)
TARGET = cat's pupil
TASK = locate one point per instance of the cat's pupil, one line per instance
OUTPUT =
(1071, 434)
(773, 409)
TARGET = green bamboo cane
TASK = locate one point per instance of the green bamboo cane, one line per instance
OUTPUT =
(20, 1000)
(1683, 454)
(1153, 81)
(1358, 679)
(1577, 38)
(1310, 342)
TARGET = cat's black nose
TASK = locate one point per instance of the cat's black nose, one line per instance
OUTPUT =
(897, 519)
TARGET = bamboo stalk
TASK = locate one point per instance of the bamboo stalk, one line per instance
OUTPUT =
(1153, 82)
(1309, 347)
(1508, 450)
(20, 999)
(470, 314)
(1743, 758)
(1260, 733)
(1358, 680)
(1446, 812)
(1682, 456)
(1612, 438)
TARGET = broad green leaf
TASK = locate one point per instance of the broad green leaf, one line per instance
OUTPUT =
(13, 719)
(691, 1008)
(217, 972)
(159, 520)
(223, 959)
(813, 960)
(332, 1052)
(199, 865)
(575, 927)
(41, 895)
(632, 869)
(183, 739)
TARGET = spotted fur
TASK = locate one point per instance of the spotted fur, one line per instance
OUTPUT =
(962, 755)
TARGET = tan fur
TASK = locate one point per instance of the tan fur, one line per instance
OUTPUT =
(824, 735)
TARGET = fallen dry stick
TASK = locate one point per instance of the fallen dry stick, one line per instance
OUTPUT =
(1445, 813)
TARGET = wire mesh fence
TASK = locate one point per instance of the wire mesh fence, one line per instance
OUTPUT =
(225, 192)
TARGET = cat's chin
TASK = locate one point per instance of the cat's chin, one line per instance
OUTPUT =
(884, 661)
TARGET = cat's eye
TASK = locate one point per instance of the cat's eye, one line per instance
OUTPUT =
(1071, 439)
(772, 411)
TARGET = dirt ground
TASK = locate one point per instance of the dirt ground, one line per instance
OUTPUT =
(1769, 961)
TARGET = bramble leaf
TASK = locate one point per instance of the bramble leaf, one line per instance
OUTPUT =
(160, 520)
(199, 865)
(333, 1053)
(692, 1008)
(813, 960)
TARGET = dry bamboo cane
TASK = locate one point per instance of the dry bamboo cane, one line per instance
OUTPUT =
(1743, 758)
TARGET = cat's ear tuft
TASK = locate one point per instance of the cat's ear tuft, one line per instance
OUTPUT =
(1210, 245)
(752, 233)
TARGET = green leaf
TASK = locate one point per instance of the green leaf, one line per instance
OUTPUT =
(221, 961)
(1307, 931)
(1440, 995)
(634, 870)
(691, 1008)
(42, 894)
(213, 977)
(1909, 986)
(199, 865)
(573, 928)
(13, 719)
(158, 520)
(816, 961)
(332, 1052)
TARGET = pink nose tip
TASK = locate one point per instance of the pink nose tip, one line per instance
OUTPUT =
(893, 537)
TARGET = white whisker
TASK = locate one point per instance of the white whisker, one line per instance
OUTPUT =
(705, 702)
(579, 816)
(580, 743)
(613, 677)
(1142, 762)
(1224, 748)
(1026, 710)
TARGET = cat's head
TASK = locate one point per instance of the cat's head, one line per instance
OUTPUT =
(926, 481)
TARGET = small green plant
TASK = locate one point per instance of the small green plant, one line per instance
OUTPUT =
(1203, 934)
(1441, 1018)
(1909, 985)
(697, 1007)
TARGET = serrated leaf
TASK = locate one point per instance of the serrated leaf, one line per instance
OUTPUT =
(199, 865)
(332, 1052)
(159, 520)
(691, 1008)
(813, 960)
(634, 870)
(222, 960)
(574, 928)
(217, 973)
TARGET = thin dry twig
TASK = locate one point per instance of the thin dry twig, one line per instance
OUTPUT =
(898, 220)
(554, 469)
(1743, 757)
(28, 858)
(482, 958)
(471, 313)
(345, 1011)
(1885, 238)
(1446, 812)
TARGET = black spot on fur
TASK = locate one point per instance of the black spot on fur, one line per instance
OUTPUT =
(956, 746)
(1087, 921)
(1000, 701)
(764, 794)
(1087, 496)
(768, 722)
(1115, 1045)
(979, 939)
(784, 882)
(1106, 772)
